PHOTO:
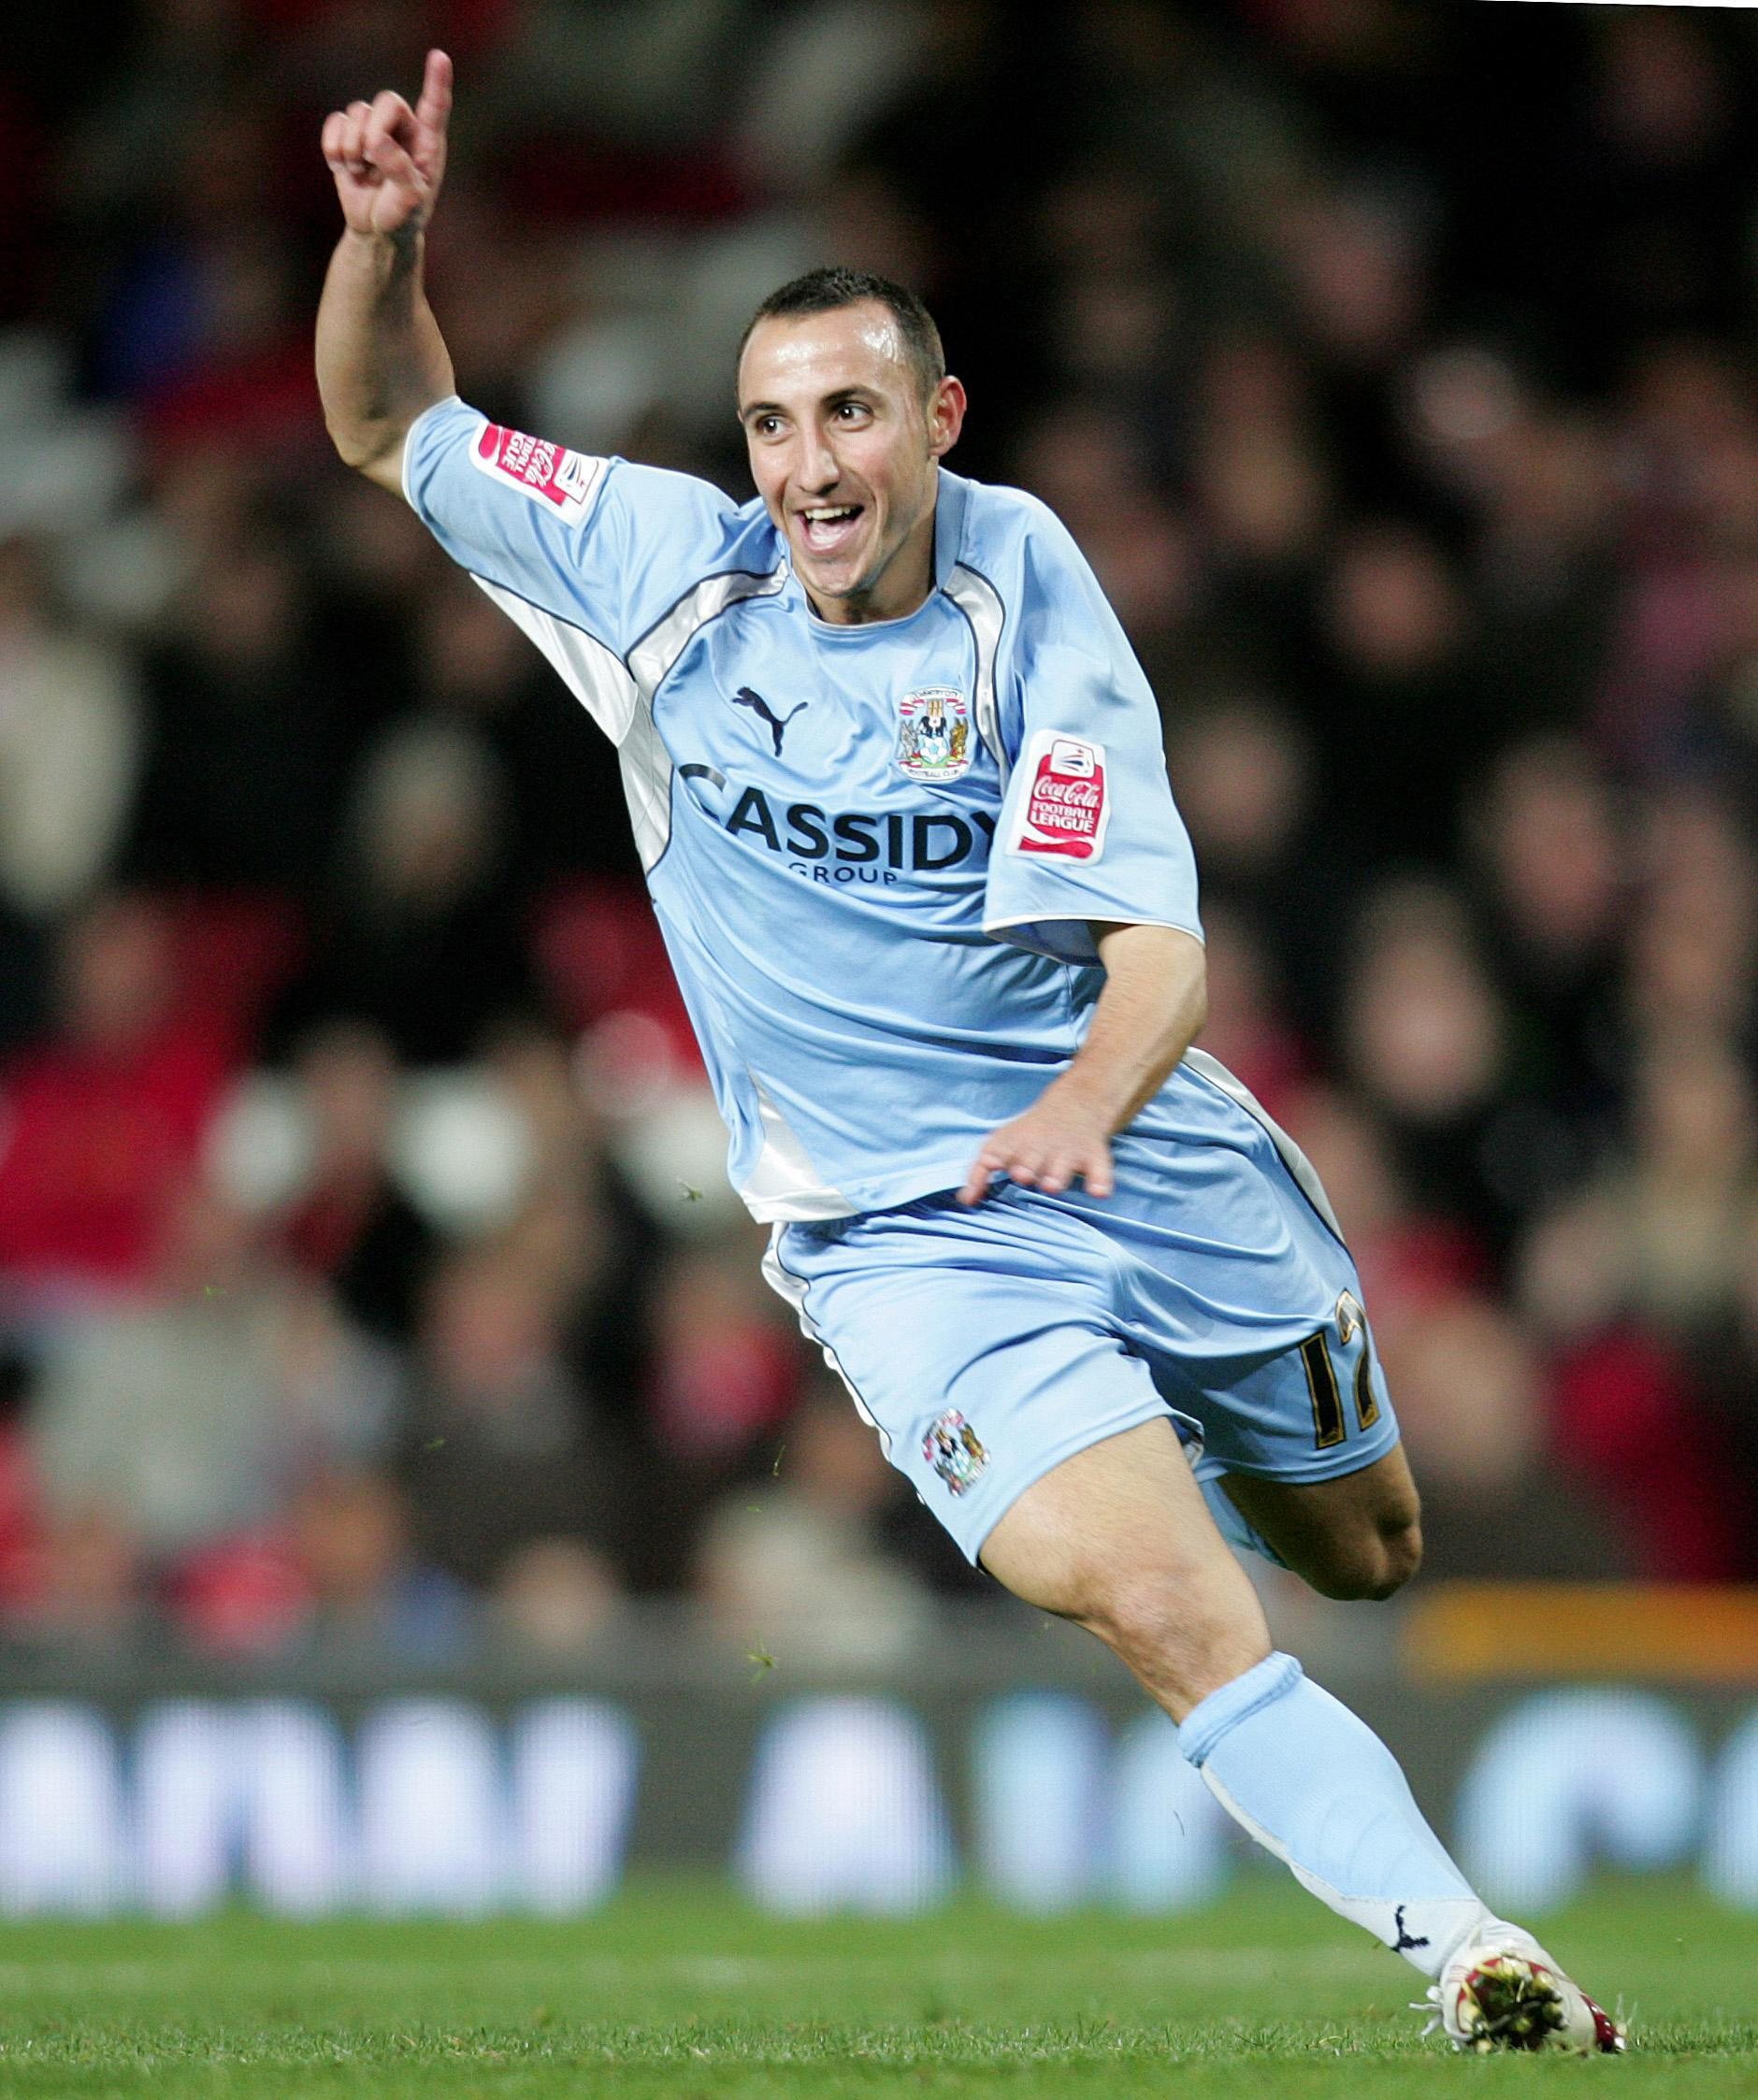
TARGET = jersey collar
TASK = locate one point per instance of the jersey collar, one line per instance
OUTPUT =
(949, 503)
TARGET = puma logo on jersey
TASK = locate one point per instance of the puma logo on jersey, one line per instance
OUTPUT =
(759, 706)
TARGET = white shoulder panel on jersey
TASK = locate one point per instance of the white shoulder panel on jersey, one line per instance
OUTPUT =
(646, 761)
(785, 1284)
(663, 643)
(592, 674)
(619, 698)
(785, 1184)
(977, 599)
(1305, 1174)
(645, 766)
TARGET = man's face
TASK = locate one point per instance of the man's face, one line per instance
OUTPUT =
(845, 453)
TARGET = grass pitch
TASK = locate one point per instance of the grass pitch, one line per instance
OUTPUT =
(683, 1993)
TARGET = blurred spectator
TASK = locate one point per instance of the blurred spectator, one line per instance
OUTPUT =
(1265, 495)
(1721, 1362)
(1668, 1220)
(374, 565)
(1353, 262)
(1554, 865)
(189, 1416)
(244, 745)
(1243, 772)
(202, 320)
(583, 1239)
(728, 1362)
(1399, 731)
(1660, 120)
(1688, 446)
(1554, 860)
(1497, 1499)
(796, 1565)
(364, 1591)
(1544, 566)
(554, 1596)
(1409, 1257)
(348, 1220)
(86, 1588)
(1692, 946)
(1425, 1036)
(104, 1116)
(69, 739)
(1244, 1027)
(1625, 1406)
(504, 1446)
(421, 936)
(1625, 1402)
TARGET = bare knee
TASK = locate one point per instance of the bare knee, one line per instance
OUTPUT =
(1359, 1535)
(1118, 1539)
(1367, 1561)
(1182, 1638)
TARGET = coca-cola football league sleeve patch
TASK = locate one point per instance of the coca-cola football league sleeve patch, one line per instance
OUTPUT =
(1088, 835)
(1063, 809)
(548, 473)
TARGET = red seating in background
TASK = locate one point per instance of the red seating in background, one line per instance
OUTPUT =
(598, 951)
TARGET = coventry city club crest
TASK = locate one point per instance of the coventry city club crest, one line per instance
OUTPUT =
(954, 1451)
(934, 733)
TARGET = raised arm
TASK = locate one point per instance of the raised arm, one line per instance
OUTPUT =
(380, 358)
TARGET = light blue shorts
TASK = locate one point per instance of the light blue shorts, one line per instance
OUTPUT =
(986, 1346)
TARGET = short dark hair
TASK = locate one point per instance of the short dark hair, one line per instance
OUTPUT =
(833, 285)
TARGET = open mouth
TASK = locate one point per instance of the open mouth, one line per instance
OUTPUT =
(826, 528)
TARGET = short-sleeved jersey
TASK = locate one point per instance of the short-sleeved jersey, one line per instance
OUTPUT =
(874, 851)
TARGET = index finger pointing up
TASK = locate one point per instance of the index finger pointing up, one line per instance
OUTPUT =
(435, 105)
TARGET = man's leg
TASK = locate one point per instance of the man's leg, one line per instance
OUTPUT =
(1119, 1539)
(983, 1345)
(1354, 1536)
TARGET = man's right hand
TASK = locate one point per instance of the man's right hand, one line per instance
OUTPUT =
(388, 160)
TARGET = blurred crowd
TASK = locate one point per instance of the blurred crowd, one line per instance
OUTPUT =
(366, 1269)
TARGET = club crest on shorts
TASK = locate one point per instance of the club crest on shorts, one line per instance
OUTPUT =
(954, 1449)
(934, 733)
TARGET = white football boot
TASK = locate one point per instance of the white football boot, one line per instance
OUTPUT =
(1502, 1991)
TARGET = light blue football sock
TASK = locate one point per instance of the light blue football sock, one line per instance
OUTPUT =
(1315, 1785)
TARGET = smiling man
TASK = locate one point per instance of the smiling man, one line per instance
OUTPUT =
(897, 781)
(848, 409)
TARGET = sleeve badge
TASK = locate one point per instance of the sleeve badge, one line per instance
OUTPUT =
(1064, 804)
(548, 474)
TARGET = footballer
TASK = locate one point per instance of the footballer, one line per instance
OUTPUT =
(898, 785)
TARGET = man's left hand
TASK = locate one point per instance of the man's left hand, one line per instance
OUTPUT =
(1056, 1142)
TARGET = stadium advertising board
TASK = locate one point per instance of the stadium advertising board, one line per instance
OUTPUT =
(459, 1801)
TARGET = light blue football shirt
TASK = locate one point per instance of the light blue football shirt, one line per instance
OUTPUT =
(873, 850)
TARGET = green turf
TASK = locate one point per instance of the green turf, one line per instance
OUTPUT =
(681, 1993)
